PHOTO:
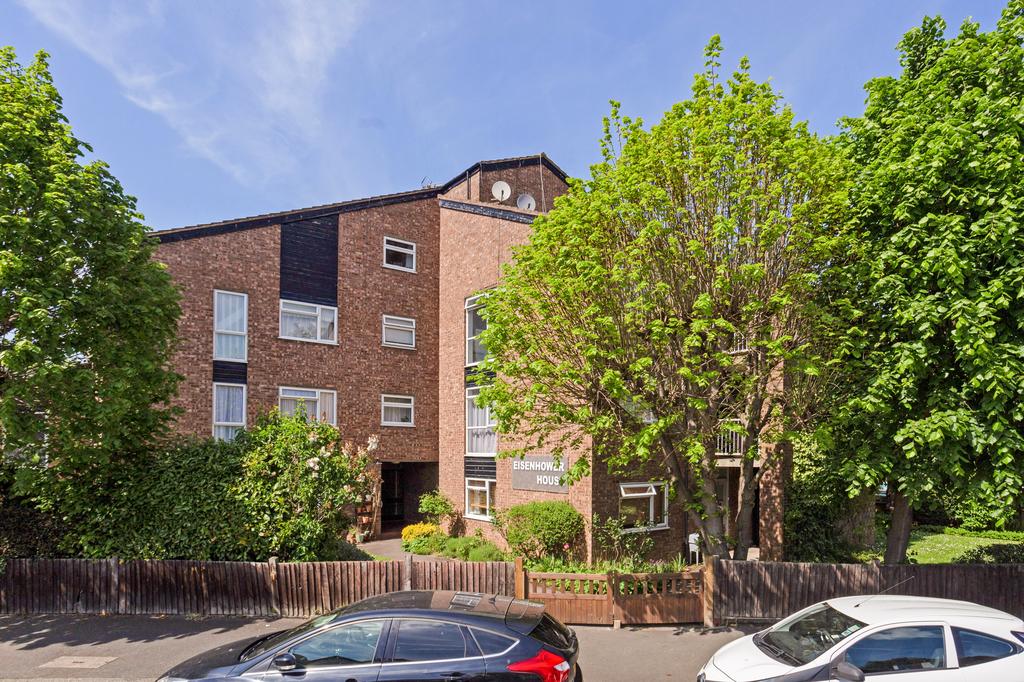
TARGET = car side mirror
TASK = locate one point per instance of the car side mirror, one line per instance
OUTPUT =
(286, 662)
(848, 672)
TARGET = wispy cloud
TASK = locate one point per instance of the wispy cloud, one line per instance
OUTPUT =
(243, 89)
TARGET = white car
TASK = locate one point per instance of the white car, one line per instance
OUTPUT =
(893, 638)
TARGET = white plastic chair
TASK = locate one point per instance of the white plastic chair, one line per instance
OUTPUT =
(693, 556)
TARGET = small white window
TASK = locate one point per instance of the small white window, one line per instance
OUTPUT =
(480, 498)
(230, 324)
(398, 332)
(399, 255)
(643, 506)
(308, 322)
(228, 410)
(475, 351)
(396, 410)
(481, 434)
(316, 403)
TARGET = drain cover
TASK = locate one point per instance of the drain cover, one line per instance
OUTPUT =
(78, 662)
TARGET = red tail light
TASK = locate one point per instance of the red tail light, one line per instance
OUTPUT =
(551, 667)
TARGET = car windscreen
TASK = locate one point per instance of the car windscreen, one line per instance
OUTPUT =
(261, 646)
(802, 638)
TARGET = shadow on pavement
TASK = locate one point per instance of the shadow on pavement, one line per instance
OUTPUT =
(34, 632)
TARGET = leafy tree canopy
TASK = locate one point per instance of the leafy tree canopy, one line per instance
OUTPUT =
(935, 352)
(87, 319)
(652, 311)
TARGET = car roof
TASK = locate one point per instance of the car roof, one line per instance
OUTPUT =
(466, 607)
(886, 608)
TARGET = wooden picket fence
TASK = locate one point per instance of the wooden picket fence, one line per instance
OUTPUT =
(111, 586)
(618, 598)
(768, 591)
(722, 592)
(238, 588)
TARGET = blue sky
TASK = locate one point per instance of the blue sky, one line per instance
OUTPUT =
(216, 110)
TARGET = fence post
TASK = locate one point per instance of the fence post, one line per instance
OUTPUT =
(612, 586)
(520, 579)
(407, 578)
(275, 603)
(710, 589)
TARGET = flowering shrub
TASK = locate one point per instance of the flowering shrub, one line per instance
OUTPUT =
(417, 530)
(299, 483)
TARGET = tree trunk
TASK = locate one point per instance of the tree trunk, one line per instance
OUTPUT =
(745, 511)
(899, 531)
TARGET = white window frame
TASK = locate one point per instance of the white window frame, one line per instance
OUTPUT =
(651, 494)
(471, 305)
(245, 325)
(491, 423)
(333, 420)
(396, 322)
(213, 405)
(319, 315)
(401, 246)
(487, 492)
(411, 405)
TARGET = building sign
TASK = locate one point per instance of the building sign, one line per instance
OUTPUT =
(538, 472)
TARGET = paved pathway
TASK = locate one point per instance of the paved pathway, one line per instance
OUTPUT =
(129, 648)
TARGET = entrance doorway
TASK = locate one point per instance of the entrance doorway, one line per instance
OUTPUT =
(392, 498)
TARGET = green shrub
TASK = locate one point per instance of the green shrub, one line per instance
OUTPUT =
(537, 529)
(486, 552)
(459, 548)
(417, 530)
(993, 554)
(282, 490)
(816, 501)
(175, 504)
(427, 544)
(621, 548)
(1009, 535)
(437, 508)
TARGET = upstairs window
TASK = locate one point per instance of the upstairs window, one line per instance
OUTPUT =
(308, 322)
(481, 437)
(643, 505)
(396, 410)
(399, 255)
(230, 324)
(398, 332)
(316, 403)
(228, 410)
(475, 351)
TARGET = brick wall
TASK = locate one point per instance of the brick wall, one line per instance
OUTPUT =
(359, 368)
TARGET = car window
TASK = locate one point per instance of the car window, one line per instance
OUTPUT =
(428, 640)
(490, 642)
(921, 647)
(973, 648)
(351, 644)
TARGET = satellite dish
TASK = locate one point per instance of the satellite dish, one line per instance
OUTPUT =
(500, 190)
(526, 202)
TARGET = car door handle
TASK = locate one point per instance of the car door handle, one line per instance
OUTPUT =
(451, 677)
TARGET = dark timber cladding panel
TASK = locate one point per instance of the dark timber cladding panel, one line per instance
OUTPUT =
(230, 372)
(481, 467)
(309, 260)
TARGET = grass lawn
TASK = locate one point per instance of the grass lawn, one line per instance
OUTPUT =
(929, 547)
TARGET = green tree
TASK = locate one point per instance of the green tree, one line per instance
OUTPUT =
(935, 353)
(658, 307)
(87, 319)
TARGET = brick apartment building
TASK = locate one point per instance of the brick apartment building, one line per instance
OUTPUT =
(364, 312)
